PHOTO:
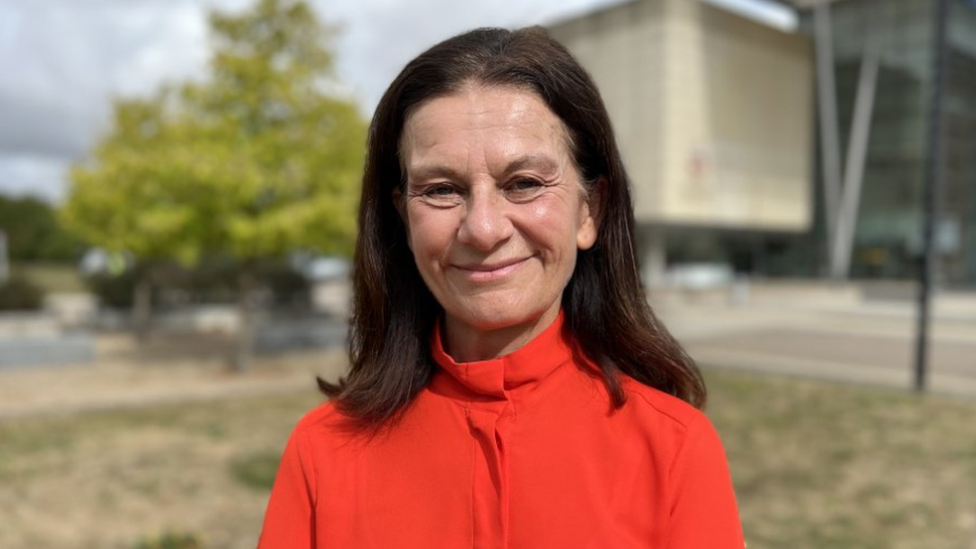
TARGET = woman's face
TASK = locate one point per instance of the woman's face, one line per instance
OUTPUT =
(494, 208)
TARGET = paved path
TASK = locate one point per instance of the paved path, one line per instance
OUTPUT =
(803, 333)
(864, 341)
(171, 368)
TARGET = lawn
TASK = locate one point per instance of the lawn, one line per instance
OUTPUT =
(104, 480)
(816, 465)
(829, 466)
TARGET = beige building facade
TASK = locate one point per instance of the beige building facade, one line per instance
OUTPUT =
(713, 113)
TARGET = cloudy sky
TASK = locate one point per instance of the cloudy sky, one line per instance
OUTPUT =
(62, 61)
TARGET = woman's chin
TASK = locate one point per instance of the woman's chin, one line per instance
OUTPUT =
(494, 319)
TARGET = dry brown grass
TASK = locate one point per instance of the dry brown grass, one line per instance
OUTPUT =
(107, 479)
(816, 465)
(825, 465)
(148, 440)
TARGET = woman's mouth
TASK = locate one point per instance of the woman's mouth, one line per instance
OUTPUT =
(489, 272)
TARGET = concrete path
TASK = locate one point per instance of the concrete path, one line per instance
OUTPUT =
(806, 334)
(811, 330)
(170, 369)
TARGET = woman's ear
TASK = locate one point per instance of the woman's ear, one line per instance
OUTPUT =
(591, 215)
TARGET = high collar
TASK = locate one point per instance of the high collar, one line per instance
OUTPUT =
(518, 378)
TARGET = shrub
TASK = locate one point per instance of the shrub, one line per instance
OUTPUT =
(20, 294)
(212, 281)
(112, 290)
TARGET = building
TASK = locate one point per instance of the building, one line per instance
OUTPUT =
(713, 115)
(903, 36)
(740, 138)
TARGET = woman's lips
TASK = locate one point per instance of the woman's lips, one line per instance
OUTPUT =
(491, 271)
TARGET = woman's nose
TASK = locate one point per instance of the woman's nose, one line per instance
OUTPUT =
(485, 223)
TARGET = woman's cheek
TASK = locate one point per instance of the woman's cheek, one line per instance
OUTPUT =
(542, 210)
(432, 231)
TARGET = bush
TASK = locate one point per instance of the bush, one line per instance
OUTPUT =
(34, 233)
(288, 287)
(213, 281)
(20, 294)
(112, 290)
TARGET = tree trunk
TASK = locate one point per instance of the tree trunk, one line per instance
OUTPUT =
(245, 337)
(142, 306)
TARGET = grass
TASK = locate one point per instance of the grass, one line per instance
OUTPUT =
(171, 540)
(816, 465)
(117, 479)
(257, 469)
(826, 465)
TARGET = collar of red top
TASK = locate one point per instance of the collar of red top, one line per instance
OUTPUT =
(517, 377)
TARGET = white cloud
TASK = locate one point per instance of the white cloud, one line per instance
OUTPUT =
(174, 47)
(34, 175)
(380, 36)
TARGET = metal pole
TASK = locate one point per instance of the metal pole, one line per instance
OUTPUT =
(857, 148)
(827, 109)
(933, 183)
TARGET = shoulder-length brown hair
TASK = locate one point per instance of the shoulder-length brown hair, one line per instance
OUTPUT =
(606, 312)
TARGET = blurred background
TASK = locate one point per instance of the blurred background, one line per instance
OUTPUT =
(178, 191)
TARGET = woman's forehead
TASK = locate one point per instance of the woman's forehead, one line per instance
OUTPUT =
(513, 125)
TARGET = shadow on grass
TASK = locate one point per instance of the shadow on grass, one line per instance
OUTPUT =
(256, 470)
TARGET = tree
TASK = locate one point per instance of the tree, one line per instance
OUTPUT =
(33, 231)
(256, 161)
(289, 155)
(137, 195)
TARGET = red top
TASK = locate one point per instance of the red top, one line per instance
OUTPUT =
(521, 451)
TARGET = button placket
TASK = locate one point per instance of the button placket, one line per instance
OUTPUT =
(491, 476)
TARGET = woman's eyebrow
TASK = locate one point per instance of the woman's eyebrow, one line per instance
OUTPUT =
(431, 171)
(541, 162)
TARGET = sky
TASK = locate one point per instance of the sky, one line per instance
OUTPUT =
(63, 61)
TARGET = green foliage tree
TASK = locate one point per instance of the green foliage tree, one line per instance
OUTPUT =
(137, 194)
(285, 154)
(260, 159)
(33, 231)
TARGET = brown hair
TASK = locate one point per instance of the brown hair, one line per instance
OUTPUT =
(606, 311)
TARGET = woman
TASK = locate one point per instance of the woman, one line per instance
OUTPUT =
(510, 386)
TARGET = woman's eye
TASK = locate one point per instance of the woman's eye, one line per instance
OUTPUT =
(440, 194)
(524, 187)
(440, 190)
(525, 183)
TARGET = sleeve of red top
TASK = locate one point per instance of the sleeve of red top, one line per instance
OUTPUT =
(704, 514)
(289, 522)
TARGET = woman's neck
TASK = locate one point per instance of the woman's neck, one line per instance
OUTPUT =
(467, 343)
